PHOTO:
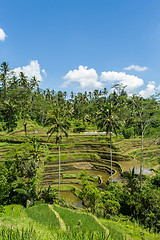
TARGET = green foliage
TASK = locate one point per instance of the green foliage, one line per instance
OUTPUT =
(79, 129)
(16, 234)
(128, 132)
(122, 228)
(20, 174)
(48, 195)
(44, 215)
(72, 218)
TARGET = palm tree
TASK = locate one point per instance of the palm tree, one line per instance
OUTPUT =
(59, 127)
(131, 179)
(23, 80)
(4, 70)
(9, 107)
(33, 83)
(144, 116)
(106, 120)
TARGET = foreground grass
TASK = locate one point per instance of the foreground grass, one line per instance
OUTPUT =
(44, 215)
(127, 230)
(74, 219)
(15, 224)
(18, 223)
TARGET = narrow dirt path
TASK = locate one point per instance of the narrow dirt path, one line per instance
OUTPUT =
(62, 224)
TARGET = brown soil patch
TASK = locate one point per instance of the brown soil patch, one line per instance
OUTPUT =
(82, 166)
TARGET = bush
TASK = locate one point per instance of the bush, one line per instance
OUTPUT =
(128, 132)
(78, 129)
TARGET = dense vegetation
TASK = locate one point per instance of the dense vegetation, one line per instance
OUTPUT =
(23, 105)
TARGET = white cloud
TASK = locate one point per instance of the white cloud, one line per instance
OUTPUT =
(149, 91)
(2, 35)
(44, 72)
(86, 78)
(33, 69)
(130, 81)
(158, 88)
(136, 68)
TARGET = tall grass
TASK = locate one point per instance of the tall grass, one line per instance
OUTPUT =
(31, 234)
(83, 221)
(16, 234)
(127, 230)
(44, 215)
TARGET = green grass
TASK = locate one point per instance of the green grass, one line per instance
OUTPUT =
(73, 218)
(65, 157)
(44, 215)
(127, 230)
(92, 178)
(31, 234)
(150, 157)
(16, 225)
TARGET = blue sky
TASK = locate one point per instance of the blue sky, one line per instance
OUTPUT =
(78, 45)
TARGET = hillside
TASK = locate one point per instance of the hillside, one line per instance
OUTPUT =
(46, 222)
(88, 151)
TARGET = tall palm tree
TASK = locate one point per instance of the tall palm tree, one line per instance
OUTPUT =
(9, 107)
(106, 120)
(33, 82)
(59, 126)
(23, 80)
(131, 179)
(144, 116)
(4, 69)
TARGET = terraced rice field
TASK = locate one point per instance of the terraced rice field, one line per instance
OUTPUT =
(86, 151)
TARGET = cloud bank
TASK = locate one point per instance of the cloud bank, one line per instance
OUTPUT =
(2, 35)
(86, 78)
(33, 69)
(136, 68)
(149, 91)
(130, 81)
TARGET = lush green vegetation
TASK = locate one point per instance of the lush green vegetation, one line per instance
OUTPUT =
(15, 224)
(43, 215)
(35, 156)
(84, 221)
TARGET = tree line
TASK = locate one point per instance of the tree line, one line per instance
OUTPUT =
(22, 98)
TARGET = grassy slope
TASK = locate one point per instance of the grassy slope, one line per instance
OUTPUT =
(127, 230)
(15, 217)
(31, 224)
(73, 218)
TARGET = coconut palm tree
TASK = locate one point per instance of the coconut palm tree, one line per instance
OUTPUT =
(145, 114)
(60, 127)
(33, 83)
(132, 179)
(9, 108)
(106, 120)
(4, 69)
(23, 80)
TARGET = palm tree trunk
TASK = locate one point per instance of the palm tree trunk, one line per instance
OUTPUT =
(141, 162)
(59, 172)
(111, 156)
(25, 130)
(9, 124)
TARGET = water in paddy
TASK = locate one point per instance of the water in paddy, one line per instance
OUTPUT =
(129, 165)
(71, 197)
